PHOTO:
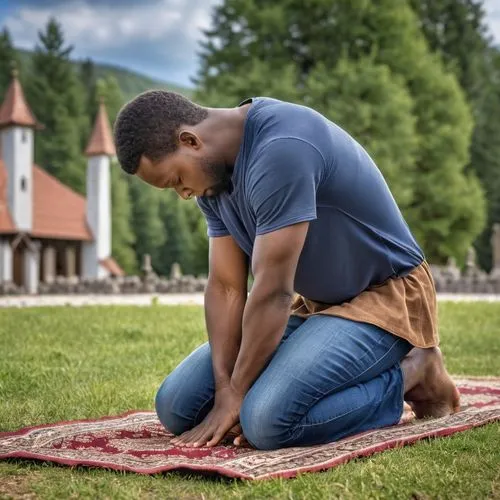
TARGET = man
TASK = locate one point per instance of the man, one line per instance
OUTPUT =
(292, 195)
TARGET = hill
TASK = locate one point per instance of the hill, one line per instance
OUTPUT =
(130, 82)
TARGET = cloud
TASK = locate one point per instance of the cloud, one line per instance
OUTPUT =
(492, 9)
(54, 3)
(159, 37)
(156, 37)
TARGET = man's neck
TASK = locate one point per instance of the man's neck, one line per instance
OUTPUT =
(227, 127)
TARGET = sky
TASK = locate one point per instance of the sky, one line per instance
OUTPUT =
(159, 38)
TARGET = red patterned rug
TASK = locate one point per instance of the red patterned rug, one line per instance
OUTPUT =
(136, 442)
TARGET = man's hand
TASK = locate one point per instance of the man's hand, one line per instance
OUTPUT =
(224, 415)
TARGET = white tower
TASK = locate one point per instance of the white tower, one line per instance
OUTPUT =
(99, 150)
(16, 128)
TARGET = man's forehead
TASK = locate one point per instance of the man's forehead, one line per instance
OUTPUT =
(147, 170)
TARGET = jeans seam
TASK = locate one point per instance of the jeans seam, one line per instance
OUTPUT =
(343, 386)
(380, 342)
(295, 425)
(307, 426)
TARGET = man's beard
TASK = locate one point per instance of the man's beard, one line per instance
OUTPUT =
(219, 175)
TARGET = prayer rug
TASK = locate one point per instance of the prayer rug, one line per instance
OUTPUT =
(137, 442)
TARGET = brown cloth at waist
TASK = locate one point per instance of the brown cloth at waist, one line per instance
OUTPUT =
(405, 307)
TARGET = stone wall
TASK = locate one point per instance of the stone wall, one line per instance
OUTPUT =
(126, 285)
(448, 279)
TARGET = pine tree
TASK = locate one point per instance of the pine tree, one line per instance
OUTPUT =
(456, 30)
(123, 238)
(88, 79)
(197, 230)
(444, 206)
(55, 96)
(485, 156)
(108, 89)
(448, 211)
(147, 224)
(200, 248)
(370, 104)
(179, 245)
(8, 59)
(256, 77)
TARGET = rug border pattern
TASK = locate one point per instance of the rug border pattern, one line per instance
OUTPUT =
(483, 416)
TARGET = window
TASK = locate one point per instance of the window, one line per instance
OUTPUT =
(24, 183)
(24, 136)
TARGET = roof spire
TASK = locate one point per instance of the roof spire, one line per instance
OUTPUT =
(15, 109)
(101, 141)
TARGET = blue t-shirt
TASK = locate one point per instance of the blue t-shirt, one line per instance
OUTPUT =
(294, 165)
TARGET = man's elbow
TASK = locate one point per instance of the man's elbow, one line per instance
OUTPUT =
(229, 291)
(284, 298)
(280, 295)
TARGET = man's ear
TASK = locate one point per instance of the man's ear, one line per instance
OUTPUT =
(189, 139)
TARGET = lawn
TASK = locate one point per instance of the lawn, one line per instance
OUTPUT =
(69, 363)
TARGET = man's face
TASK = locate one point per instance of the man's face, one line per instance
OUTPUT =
(187, 171)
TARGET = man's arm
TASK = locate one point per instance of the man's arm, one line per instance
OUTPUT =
(282, 194)
(274, 263)
(225, 298)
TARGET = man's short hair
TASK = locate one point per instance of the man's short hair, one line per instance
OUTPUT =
(148, 125)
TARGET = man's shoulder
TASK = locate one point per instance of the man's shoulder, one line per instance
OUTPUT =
(269, 106)
(279, 124)
(284, 138)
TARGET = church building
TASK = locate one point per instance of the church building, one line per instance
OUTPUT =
(46, 228)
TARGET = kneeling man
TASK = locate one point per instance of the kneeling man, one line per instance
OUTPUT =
(339, 328)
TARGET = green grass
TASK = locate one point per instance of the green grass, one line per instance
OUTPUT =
(68, 363)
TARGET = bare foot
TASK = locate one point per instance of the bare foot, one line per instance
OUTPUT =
(236, 433)
(428, 388)
(408, 414)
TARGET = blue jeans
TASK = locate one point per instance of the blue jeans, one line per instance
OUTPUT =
(329, 378)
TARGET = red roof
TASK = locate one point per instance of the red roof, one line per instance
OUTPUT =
(15, 110)
(58, 212)
(101, 140)
(112, 267)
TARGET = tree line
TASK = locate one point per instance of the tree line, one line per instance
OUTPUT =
(65, 100)
(417, 82)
